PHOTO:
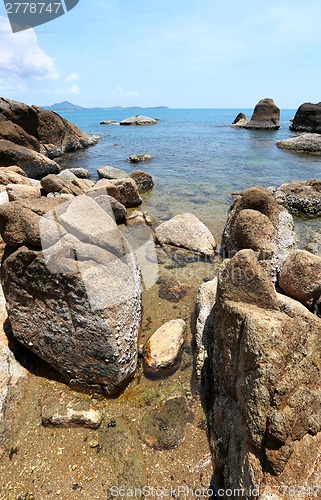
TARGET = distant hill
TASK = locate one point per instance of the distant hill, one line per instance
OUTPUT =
(63, 106)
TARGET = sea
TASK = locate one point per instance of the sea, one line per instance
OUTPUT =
(199, 160)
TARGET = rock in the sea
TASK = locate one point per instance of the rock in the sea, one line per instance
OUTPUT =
(35, 164)
(139, 158)
(300, 197)
(263, 384)
(307, 118)
(68, 412)
(164, 428)
(107, 122)
(163, 348)
(240, 120)
(77, 303)
(143, 180)
(266, 116)
(304, 143)
(123, 190)
(258, 222)
(186, 231)
(108, 172)
(300, 277)
(139, 120)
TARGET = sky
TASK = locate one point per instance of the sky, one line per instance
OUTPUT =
(175, 53)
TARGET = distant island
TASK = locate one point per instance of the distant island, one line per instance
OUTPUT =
(68, 106)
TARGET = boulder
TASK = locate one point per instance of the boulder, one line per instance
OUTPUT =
(263, 384)
(21, 114)
(304, 143)
(186, 231)
(123, 190)
(300, 277)
(143, 180)
(258, 222)
(77, 303)
(14, 175)
(34, 164)
(19, 221)
(56, 184)
(307, 118)
(139, 120)
(266, 116)
(21, 191)
(107, 122)
(139, 158)
(300, 197)
(240, 120)
(81, 173)
(108, 172)
(163, 348)
(12, 132)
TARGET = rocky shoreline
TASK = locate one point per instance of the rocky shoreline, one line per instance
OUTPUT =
(135, 353)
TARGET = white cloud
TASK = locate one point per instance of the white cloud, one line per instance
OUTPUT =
(74, 89)
(72, 77)
(22, 59)
(123, 93)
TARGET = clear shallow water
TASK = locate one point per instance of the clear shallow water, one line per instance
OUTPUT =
(198, 159)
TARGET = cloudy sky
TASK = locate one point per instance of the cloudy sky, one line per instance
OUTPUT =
(176, 53)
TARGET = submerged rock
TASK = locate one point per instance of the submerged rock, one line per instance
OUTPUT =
(68, 412)
(162, 350)
(300, 197)
(307, 118)
(139, 120)
(164, 428)
(186, 231)
(263, 383)
(76, 304)
(305, 143)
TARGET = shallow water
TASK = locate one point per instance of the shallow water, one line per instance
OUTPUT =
(198, 159)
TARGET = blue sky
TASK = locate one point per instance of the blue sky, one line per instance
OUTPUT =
(176, 53)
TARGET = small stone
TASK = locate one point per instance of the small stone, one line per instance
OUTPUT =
(94, 443)
(67, 412)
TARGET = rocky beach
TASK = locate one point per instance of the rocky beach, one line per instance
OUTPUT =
(140, 351)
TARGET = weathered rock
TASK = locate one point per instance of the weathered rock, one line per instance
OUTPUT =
(69, 412)
(136, 217)
(22, 191)
(263, 384)
(108, 172)
(163, 348)
(143, 180)
(307, 118)
(186, 231)
(21, 114)
(300, 197)
(205, 322)
(240, 120)
(172, 290)
(266, 116)
(14, 133)
(13, 175)
(139, 120)
(81, 173)
(258, 222)
(305, 143)
(300, 277)
(107, 122)
(56, 184)
(139, 158)
(123, 190)
(76, 304)
(119, 441)
(35, 164)
(164, 428)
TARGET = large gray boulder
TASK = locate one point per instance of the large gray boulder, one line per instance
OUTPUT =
(304, 143)
(76, 303)
(139, 120)
(262, 384)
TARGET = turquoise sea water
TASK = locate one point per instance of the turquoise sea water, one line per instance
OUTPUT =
(198, 159)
